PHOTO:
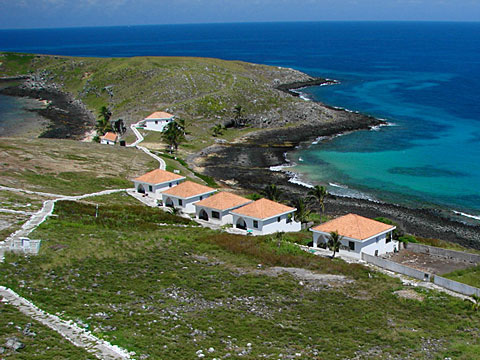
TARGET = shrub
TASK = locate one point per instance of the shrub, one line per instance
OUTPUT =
(407, 238)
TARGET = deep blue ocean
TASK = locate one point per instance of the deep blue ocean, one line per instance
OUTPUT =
(423, 78)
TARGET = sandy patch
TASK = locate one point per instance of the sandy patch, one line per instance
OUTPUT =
(409, 294)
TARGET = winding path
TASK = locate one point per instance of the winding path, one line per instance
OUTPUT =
(140, 138)
(69, 330)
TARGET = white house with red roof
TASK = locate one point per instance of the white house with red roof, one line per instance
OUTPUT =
(157, 120)
(184, 196)
(358, 235)
(265, 217)
(156, 181)
(110, 138)
(216, 208)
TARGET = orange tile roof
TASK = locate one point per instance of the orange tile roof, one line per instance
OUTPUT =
(354, 226)
(159, 115)
(223, 201)
(263, 209)
(188, 189)
(110, 136)
(158, 176)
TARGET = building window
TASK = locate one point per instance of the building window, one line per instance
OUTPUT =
(255, 224)
(156, 122)
(170, 185)
(215, 215)
(201, 197)
(150, 188)
(351, 245)
(278, 219)
(180, 202)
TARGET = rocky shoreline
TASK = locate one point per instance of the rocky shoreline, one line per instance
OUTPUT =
(245, 165)
(68, 118)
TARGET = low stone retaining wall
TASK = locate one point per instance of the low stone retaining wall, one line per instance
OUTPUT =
(421, 275)
(449, 254)
(395, 267)
(456, 286)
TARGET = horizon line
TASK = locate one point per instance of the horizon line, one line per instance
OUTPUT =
(244, 22)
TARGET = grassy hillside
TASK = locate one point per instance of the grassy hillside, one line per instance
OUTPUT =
(201, 90)
(69, 167)
(167, 292)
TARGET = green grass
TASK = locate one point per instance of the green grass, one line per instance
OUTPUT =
(469, 276)
(162, 300)
(69, 167)
(43, 344)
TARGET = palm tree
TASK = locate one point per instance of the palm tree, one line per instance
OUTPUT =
(103, 123)
(303, 211)
(173, 134)
(272, 192)
(334, 242)
(319, 193)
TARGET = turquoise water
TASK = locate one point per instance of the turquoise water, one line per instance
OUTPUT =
(422, 77)
(428, 155)
(16, 119)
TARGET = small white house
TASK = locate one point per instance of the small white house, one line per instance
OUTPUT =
(156, 181)
(109, 138)
(265, 217)
(358, 235)
(185, 195)
(157, 121)
(216, 208)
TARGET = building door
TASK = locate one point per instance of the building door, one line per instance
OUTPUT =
(203, 215)
(169, 202)
(141, 189)
(241, 224)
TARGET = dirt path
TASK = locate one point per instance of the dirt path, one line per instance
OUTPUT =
(69, 330)
(162, 164)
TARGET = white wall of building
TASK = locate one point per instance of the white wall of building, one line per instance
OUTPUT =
(374, 246)
(107, 142)
(268, 226)
(186, 205)
(156, 124)
(157, 189)
(224, 215)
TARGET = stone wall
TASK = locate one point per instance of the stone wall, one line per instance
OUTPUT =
(395, 267)
(449, 254)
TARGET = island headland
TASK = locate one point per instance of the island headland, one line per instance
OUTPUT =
(204, 92)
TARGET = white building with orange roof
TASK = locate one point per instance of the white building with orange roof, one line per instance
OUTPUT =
(110, 138)
(216, 208)
(185, 195)
(358, 235)
(157, 120)
(156, 181)
(265, 217)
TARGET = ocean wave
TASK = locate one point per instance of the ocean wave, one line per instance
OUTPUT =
(378, 127)
(318, 139)
(338, 185)
(476, 217)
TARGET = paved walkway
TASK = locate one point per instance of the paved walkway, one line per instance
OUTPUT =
(19, 212)
(6, 188)
(69, 330)
(162, 164)
(47, 210)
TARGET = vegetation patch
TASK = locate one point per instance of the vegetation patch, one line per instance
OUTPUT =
(125, 275)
